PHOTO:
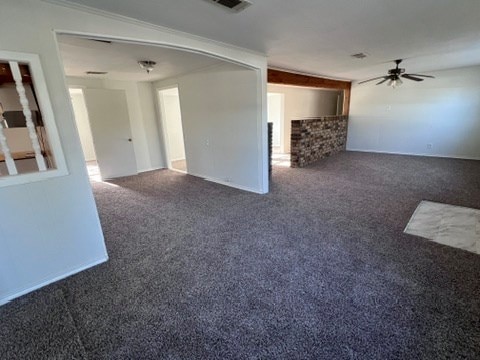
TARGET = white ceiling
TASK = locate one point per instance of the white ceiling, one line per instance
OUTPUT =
(120, 60)
(317, 37)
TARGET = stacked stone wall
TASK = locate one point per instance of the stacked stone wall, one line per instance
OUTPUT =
(317, 138)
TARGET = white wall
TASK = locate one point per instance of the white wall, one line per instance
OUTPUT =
(150, 122)
(219, 117)
(143, 120)
(83, 124)
(443, 112)
(303, 103)
(50, 229)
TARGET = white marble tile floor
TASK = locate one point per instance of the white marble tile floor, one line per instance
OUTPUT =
(447, 224)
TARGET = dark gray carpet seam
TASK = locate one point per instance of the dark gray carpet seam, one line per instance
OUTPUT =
(38, 326)
(74, 322)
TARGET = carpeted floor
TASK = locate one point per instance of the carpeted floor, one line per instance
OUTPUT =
(39, 326)
(318, 269)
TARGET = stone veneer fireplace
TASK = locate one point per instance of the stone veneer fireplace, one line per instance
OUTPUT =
(317, 138)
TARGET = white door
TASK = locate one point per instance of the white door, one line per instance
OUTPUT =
(112, 137)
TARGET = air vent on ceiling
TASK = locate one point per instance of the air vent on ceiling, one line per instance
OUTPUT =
(232, 5)
(102, 41)
(359, 56)
(96, 73)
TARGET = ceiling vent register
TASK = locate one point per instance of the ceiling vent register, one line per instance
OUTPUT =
(359, 56)
(232, 5)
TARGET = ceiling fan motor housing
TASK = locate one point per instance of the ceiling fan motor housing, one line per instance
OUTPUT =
(396, 71)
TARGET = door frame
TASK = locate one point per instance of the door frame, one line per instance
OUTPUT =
(191, 44)
(82, 89)
(164, 127)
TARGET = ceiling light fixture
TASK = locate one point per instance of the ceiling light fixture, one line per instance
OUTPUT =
(395, 82)
(147, 65)
(395, 76)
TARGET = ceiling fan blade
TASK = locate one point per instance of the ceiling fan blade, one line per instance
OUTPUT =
(382, 81)
(380, 77)
(410, 77)
(425, 76)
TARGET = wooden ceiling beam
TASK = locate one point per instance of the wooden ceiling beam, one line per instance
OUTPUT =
(288, 78)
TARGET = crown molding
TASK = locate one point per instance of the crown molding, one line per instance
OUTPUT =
(133, 21)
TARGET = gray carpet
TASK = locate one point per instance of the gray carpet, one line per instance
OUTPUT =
(39, 326)
(318, 269)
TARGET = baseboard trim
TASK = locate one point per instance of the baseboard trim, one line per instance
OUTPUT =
(178, 171)
(240, 187)
(150, 169)
(229, 184)
(416, 154)
(11, 297)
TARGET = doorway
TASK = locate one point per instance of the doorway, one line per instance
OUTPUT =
(276, 116)
(171, 115)
(276, 111)
(209, 123)
(85, 133)
(103, 125)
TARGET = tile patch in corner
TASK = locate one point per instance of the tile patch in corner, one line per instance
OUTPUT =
(450, 225)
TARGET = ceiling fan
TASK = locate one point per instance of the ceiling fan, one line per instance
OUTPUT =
(395, 76)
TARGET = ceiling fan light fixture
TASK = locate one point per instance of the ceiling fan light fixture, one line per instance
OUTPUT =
(147, 65)
(394, 76)
(395, 82)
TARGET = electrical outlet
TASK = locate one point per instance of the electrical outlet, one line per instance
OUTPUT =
(429, 146)
(207, 142)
